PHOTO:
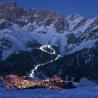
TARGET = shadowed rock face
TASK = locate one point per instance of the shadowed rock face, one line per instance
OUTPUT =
(23, 16)
(5, 24)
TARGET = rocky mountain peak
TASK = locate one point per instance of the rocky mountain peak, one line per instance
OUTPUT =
(75, 21)
(74, 16)
(23, 16)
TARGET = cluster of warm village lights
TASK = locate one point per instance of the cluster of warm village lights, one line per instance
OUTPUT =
(21, 82)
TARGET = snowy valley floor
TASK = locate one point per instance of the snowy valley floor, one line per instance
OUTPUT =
(83, 92)
(86, 89)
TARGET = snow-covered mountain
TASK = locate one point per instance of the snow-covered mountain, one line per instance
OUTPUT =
(23, 30)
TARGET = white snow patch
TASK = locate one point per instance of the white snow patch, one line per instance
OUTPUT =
(87, 83)
(83, 45)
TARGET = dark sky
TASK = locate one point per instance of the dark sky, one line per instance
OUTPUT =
(86, 8)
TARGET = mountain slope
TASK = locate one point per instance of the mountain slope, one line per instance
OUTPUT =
(23, 31)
